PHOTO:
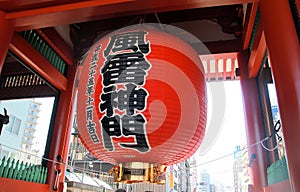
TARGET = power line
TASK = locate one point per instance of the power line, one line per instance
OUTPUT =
(247, 147)
(56, 162)
(276, 128)
(43, 158)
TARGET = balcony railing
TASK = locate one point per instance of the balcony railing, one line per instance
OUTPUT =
(220, 67)
(32, 120)
(32, 128)
(26, 134)
(29, 142)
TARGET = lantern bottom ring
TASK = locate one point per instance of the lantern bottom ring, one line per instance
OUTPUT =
(134, 172)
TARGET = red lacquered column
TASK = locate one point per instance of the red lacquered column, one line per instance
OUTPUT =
(254, 126)
(283, 45)
(6, 34)
(62, 131)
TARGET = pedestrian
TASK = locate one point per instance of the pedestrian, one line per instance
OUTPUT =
(120, 190)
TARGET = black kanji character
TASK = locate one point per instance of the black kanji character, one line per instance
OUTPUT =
(91, 82)
(93, 65)
(90, 100)
(89, 112)
(131, 99)
(94, 57)
(110, 128)
(127, 41)
(91, 127)
(135, 76)
(109, 102)
(89, 90)
(92, 72)
(125, 60)
(135, 126)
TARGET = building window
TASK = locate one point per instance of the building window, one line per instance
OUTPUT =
(13, 125)
(35, 106)
(175, 173)
(32, 113)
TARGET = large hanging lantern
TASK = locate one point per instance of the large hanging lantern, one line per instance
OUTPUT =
(141, 102)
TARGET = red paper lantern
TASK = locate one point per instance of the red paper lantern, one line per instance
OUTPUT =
(141, 98)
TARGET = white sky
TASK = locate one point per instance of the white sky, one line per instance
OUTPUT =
(231, 133)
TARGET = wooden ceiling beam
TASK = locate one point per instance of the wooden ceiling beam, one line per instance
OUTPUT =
(258, 52)
(249, 23)
(80, 12)
(227, 46)
(57, 43)
(61, 8)
(21, 48)
(171, 17)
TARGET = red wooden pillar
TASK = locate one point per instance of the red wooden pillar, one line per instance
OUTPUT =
(62, 132)
(284, 52)
(6, 34)
(254, 125)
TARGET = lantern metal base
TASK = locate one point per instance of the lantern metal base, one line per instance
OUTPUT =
(133, 172)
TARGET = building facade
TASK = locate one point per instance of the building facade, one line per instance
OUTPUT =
(204, 183)
(17, 137)
(241, 176)
(181, 177)
(193, 174)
